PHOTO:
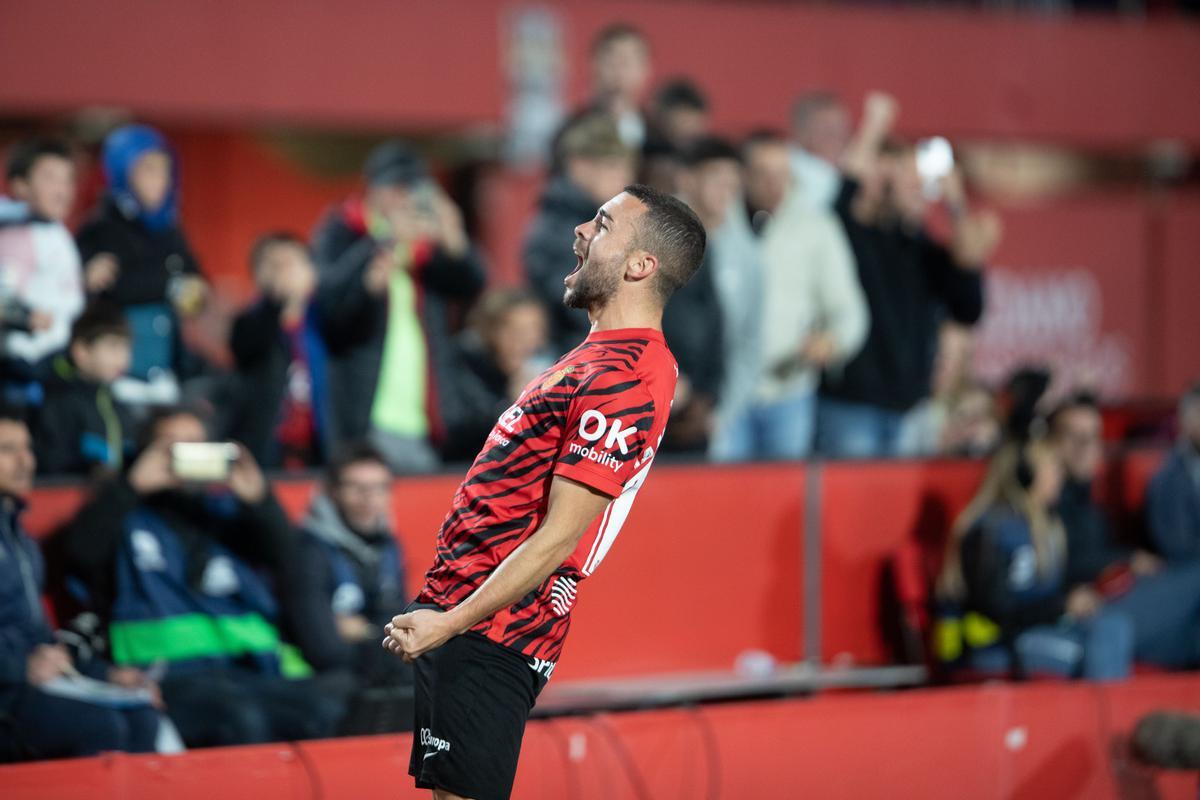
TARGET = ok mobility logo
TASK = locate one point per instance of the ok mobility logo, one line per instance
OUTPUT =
(593, 426)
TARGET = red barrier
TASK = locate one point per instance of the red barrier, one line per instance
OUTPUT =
(426, 66)
(867, 511)
(1055, 741)
(693, 582)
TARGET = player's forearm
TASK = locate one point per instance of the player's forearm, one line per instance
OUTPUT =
(519, 574)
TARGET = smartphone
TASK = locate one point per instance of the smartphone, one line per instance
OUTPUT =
(935, 159)
(203, 462)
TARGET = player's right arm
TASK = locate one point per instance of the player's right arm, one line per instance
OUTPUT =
(571, 509)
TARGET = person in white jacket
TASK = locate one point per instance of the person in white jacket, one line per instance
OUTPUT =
(813, 314)
(39, 263)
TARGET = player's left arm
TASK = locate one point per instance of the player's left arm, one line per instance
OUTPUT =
(571, 509)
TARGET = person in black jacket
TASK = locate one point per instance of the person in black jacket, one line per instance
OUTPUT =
(279, 358)
(911, 282)
(594, 165)
(501, 351)
(81, 428)
(693, 323)
(348, 576)
(135, 254)
(390, 266)
(1161, 599)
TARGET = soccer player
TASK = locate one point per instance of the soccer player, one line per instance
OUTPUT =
(544, 501)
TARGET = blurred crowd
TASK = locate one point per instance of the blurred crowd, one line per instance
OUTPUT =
(814, 327)
(827, 320)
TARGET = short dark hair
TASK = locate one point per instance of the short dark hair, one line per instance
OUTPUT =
(25, 154)
(671, 231)
(353, 453)
(610, 34)
(99, 319)
(710, 148)
(1082, 399)
(811, 103)
(157, 416)
(680, 93)
(762, 136)
(258, 251)
(14, 414)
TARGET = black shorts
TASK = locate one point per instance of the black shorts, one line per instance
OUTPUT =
(473, 697)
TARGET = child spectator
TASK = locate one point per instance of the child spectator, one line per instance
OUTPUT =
(279, 356)
(41, 291)
(136, 255)
(81, 428)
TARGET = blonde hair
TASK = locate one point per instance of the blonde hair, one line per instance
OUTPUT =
(1002, 488)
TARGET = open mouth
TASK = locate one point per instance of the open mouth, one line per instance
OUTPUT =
(578, 265)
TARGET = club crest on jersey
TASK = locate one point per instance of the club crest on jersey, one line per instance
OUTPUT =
(510, 418)
(557, 376)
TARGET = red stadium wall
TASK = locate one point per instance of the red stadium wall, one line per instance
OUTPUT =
(1054, 741)
(691, 585)
(1093, 80)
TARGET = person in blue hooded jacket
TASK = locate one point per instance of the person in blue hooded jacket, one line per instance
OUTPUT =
(135, 253)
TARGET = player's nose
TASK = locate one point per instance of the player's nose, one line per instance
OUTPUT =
(584, 230)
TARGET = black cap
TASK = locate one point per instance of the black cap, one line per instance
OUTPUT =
(395, 163)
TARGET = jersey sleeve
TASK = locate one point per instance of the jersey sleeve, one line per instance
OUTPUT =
(608, 431)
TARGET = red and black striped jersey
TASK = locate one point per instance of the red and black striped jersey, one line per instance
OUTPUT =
(597, 417)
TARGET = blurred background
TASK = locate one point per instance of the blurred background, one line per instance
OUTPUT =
(937, 430)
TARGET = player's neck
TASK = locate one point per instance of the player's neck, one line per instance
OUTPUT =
(618, 316)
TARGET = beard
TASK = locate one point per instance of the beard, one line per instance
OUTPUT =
(595, 285)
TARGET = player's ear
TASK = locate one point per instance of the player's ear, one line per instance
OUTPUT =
(640, 266)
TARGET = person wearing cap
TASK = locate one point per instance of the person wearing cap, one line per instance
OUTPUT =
(391, 262)
(593, 164)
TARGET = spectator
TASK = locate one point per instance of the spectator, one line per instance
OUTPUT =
(497, 356)
(348, 577)
(41, 291)
(679, 114)
(172, 568)
(136, 256)
(620, 72)
(1162, 601)
(81, 428)
(391, 264)
(820, 134)
(34, 722)
(1007, 565)
(678, 119)
(813, 315)
(693, 326)
(911, 284)
(594, 166)
(1173, 498)
(961, 418)
(279, 358)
